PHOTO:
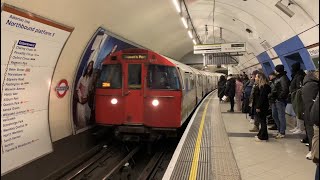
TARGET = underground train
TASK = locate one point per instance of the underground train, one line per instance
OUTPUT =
(142, 92)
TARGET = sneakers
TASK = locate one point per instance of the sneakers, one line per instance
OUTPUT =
(230, 110)
(307, 144)
(259, 140)
(304, 141)
(298, 131)
(280, 136)
(309, 156)
(251, 121)
(294, 129)
(254, 129)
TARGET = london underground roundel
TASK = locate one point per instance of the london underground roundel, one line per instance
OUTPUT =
(62, 88)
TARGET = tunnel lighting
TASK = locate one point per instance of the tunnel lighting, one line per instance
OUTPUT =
(114, 101)
(155, 102)
(284, 9)
(194, 41)
(184, 21)
(177, 5)
(190, 34)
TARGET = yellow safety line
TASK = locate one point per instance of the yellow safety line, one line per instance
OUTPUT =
(195, 161)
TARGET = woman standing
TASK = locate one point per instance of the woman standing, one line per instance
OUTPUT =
(239, 87)
(262, 105)
(221, 86)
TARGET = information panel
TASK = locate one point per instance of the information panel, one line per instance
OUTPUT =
(219, 48)
(30, 48)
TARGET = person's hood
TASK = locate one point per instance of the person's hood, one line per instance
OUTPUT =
(310, 78)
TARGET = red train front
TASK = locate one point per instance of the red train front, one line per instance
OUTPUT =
(138, 91)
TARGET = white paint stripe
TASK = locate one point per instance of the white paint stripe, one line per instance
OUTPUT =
(176, 153)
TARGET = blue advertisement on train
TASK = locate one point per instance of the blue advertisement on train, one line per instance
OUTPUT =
(101, 45)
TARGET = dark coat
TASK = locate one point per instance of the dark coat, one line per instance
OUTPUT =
(281, 90)
(310, 90)
(272, 95)
(261, 100)
(230, 87)
(314, 114)
(221, 88)
(297, 81)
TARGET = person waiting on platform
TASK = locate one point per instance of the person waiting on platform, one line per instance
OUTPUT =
(231, 91)
(261, 105)
(272, 96)
(281, 90)
(221, 86)
(310, 90)
(239, 87)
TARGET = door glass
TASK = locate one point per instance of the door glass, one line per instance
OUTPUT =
(134, 76)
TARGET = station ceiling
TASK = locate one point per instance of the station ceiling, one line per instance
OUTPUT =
(156, 24)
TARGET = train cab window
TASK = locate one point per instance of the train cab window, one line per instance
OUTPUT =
(163, 77)
(110, 77)
(134, 76)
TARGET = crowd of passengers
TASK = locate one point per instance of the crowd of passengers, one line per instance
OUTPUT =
(268, 99)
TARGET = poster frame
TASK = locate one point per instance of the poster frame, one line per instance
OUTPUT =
(72, 85)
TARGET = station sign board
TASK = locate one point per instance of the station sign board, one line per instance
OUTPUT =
(219, 48)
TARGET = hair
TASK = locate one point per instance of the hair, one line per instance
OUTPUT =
(263, 80)
(222, 78)
(272, 74)
(85, 71)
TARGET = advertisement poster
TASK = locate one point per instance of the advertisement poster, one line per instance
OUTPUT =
(30, 48)
(101, 45)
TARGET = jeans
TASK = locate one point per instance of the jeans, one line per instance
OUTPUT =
(279, 116)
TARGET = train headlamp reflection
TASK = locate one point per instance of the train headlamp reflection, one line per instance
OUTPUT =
(114, 101)
(155, 102)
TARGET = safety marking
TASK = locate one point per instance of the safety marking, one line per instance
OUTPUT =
(195, 161)
(177, 152)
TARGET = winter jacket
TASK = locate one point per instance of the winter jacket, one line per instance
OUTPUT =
(230, 87)
(310, 90)
(261, 99)
(221, 88)
(247, 88)
(281, 87)
(314, 114)
(272, 95)
(296, 82)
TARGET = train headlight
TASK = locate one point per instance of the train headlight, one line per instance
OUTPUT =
(114, 101)
(155, 102)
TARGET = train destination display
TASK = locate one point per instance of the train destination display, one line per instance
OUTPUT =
(30, 47)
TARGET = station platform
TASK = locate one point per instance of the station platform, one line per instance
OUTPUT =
(218, 145)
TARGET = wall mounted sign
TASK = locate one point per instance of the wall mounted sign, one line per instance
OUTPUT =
(30, 48)
(62, 88)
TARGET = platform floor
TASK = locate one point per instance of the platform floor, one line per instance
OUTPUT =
(227, 149)
(282, 159)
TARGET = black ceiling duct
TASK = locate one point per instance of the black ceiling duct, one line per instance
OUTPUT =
(248, 30)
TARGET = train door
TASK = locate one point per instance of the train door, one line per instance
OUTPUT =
(133, 92)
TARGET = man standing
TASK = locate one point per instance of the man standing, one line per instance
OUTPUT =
(231, 91)
(281, 91)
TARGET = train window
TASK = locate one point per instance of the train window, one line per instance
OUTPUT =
(163, 77)
(110, 77)
(134, 76)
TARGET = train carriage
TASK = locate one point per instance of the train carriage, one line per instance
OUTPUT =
(140, 91)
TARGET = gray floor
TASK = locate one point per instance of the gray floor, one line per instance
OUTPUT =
(272, 160)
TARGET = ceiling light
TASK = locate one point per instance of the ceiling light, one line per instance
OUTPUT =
(184, 22)
(177, 5)
(190, 34)
(194, 41)
(284, 9)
